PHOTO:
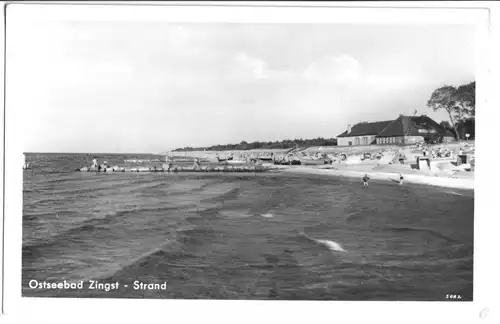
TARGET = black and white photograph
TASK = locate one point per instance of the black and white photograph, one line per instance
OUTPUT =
(186, 157)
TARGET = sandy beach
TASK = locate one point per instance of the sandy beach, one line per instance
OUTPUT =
(446, 182)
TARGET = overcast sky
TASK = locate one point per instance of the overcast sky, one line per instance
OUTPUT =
(149, 87)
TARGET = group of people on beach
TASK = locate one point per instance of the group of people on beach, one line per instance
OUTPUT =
(97, 166)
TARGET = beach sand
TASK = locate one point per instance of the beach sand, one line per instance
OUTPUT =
(386, 175)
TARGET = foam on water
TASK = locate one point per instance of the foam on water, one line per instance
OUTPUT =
(331, 245)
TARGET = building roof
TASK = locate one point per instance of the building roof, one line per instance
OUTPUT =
(363, 129)
(414, 126)
(402, 126)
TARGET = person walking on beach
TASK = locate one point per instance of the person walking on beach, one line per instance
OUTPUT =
(400, 179)
(365, 180)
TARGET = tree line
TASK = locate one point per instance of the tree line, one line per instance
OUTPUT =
(459, 102)
(285, 144)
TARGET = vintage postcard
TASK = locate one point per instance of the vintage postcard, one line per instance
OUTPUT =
(171, 153)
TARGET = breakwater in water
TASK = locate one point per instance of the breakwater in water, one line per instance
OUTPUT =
(177, 169)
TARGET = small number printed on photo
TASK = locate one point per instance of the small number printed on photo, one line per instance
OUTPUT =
(453, 297)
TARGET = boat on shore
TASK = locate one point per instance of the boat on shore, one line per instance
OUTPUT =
(306, 161)
(232, 162)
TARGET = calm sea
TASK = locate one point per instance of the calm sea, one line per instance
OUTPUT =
(238, 236)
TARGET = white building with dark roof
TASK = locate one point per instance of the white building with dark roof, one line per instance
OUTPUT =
(403, 130)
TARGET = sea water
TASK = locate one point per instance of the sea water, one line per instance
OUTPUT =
(240, 236)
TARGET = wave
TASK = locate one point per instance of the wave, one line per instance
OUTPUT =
(455, 193)
(331, 245)
(235, 214)
(89, 226)
(418, 229)
(239, 214)
(177, 252)
(467, 194)
(353, 216)
(231, 194)
(44, 200)
(30, 217)
(40, 170)
(75, 192)
(160, 259)
(147, 186)
(172, 187)
(169, 251)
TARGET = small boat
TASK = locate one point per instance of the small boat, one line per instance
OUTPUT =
(306, 161)
(229, 159)
(236, 162)
(268, 158)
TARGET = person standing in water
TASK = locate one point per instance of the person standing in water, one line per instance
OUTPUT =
(400, 179)
(365, 180)
(196, 163)
(95, 164)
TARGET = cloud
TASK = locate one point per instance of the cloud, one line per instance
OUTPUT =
(334, 69)
(179, 39)
(255, 66)
(346, 71)
(342, 70)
